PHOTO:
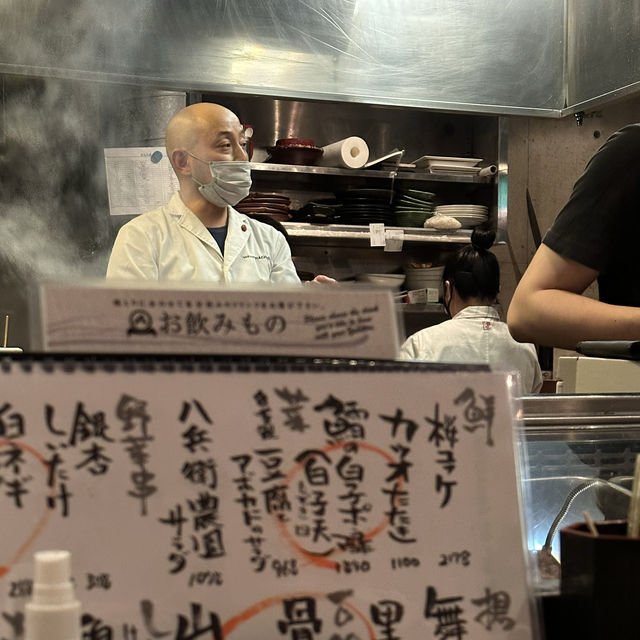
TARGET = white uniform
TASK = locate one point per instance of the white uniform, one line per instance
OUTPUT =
(476, 335)
(171, 243)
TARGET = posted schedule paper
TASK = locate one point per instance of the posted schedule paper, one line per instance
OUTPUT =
(138, 179)
(266, 502)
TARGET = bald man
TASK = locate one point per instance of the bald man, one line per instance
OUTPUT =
(198, 235)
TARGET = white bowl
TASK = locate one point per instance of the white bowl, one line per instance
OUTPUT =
(387, 280)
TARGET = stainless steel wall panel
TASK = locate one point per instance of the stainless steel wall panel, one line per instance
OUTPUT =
(496, 55)
(417, 131)
(603, 50)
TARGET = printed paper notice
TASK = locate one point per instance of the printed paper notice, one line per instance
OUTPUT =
(138, 179)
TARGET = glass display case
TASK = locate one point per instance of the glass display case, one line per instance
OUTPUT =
(578, 455)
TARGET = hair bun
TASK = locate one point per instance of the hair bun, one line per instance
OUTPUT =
(482, 238)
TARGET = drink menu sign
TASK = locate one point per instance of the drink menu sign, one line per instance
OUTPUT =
(291, 502)
(312, 320)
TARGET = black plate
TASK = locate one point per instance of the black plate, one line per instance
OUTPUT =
(372, 194)
(367, 212)
(415, 210)
(365, 207)
(367, 220)
(361, 202)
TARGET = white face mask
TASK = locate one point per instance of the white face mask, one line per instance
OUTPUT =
(230, 182)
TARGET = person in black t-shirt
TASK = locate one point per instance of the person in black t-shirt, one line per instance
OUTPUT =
(595, 236)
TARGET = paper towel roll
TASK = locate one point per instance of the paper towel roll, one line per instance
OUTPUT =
(351, 153)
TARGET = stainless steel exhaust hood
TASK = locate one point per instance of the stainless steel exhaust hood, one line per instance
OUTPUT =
(496, 56)
(461, 55)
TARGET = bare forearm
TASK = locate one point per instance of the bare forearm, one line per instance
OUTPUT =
(562, 319)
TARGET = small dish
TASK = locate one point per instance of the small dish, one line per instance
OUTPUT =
(392, 157)
(427, 161)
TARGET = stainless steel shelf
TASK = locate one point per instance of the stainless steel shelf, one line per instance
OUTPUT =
(358, 235)
(301, 230)
(391, 174)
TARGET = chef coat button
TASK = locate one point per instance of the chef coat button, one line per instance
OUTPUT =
(244, 227)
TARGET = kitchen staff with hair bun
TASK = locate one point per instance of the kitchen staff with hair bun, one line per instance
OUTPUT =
(474, 333)
(198, 235)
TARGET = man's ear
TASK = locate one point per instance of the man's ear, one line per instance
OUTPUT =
(180, 162)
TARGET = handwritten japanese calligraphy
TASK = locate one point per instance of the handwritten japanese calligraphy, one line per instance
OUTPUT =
(242, 503)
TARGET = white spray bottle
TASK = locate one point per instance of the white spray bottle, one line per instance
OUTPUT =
(53, 612)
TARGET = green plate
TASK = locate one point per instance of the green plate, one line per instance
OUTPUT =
(422, 195)
(410, 200)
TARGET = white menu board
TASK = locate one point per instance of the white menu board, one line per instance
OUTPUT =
(231, 500)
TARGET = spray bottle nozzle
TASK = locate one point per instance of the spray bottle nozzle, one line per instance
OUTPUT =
(54, 612)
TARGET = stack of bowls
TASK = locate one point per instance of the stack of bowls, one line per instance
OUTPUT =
(274, 205)
(384, 280)
(413, 207)
(424, 278)
(295, 151)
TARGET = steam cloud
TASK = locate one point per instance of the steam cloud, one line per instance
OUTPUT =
(55, 121)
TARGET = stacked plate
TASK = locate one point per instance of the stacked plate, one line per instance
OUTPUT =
(469, 215)
(449, 164)
(413, 207)
(274, 205)
(364, 206)
(423, 278)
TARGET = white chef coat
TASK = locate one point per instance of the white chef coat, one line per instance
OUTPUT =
(171, 243)
(476, 335)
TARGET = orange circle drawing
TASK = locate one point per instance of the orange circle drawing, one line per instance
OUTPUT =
(323, 560)
(4, 569)
(250, 612)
